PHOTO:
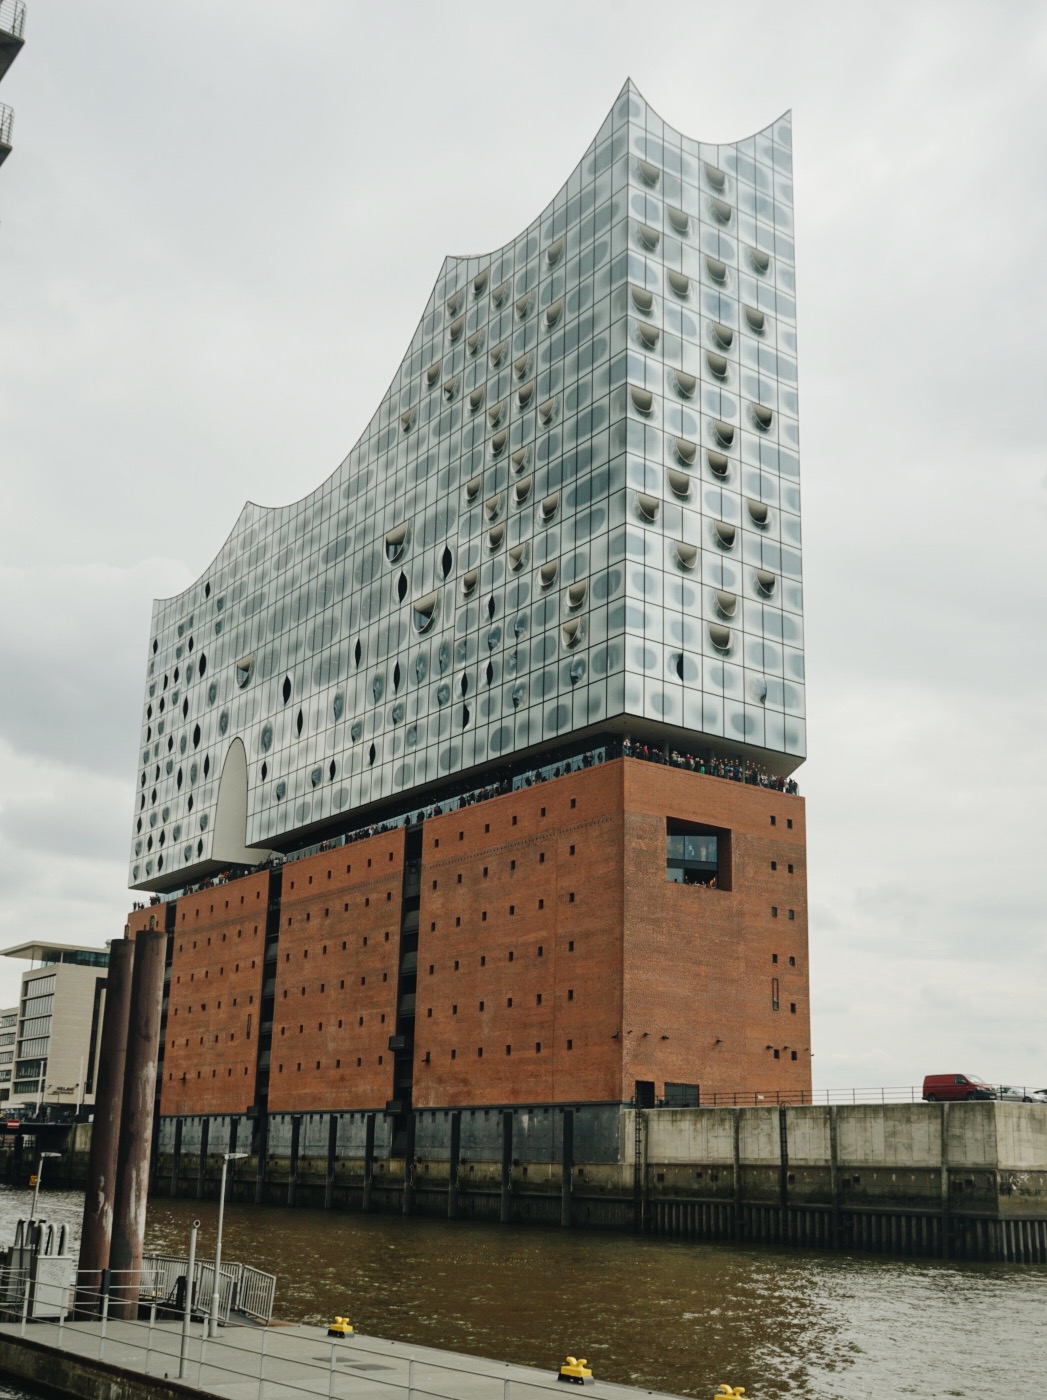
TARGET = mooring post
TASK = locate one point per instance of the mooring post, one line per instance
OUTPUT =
(136, 1115)
(453, 1160)
(566, 1167)
(506, 1213)
(96, 1232)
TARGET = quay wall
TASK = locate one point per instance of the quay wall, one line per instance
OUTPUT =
(963, 1180)
(58, 1372)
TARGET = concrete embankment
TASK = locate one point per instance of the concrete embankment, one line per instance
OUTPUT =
(963, 1180)
(135, 1361)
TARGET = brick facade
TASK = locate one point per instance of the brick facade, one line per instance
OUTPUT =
(211, 1050)
(336, 980)
(556, 961)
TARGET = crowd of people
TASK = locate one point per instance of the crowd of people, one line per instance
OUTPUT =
(737, 770)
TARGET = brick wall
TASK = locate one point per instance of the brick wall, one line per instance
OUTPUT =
(519, 947)
(337, 978)
(700, 962)
(211, 1049)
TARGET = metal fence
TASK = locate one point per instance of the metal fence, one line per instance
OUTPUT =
(262, 1363)
(12, 17)
(903, 1093)
(7, 122)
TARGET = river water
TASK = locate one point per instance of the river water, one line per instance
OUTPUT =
(653, 1313)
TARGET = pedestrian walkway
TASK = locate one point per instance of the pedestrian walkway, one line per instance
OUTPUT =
(286, 1362)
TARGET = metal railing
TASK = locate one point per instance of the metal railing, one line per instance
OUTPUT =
(904, 1093)
(259, 1363)
(12, 17)
(7, 121)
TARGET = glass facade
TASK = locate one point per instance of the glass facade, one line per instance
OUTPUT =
(576, 507)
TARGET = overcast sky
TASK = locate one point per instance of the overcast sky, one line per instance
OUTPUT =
(218, 228)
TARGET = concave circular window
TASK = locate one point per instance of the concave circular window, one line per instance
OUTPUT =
(407, 419)
(719, 465)
(571, 632)
(547, 574)
(648, 236)
(396, 543)
(722, 211)
(648, 173)
(648, 334)
(643, 300)
(423, 612)
(647, 506)
(495, 537)
(547, 509)
(725, 533)
(476, 397)
(716, 177)
(493, 507)
(522, 489)
(680, 283)
(517, 557)
(724, 431)
(758, 512)
(756, 319)
(643, 399)
(717, 270)
(576, 595)
(554, 252)
(763, 417)
(679, 483)
(680, 220)
(717, 364)
(686, 554)
(432, 374)
(469, 581)
(727, 603)
(686, 450)
(553, 312)
(720, 636)
(475, 342)
(765, 582)
(760, 260)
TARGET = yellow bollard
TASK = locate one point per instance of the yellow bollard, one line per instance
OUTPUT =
(340, 1328)
(727, 1390)
(575, 1371)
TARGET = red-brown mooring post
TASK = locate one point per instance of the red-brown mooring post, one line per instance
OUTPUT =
(97, 1230)
(136, 1123)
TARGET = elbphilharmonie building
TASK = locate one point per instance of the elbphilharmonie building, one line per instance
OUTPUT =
(565, 551)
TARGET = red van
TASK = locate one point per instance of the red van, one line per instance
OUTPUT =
(940, 1088)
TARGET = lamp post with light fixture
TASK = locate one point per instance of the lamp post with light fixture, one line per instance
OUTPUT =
(227, 1157)
(36, 1182)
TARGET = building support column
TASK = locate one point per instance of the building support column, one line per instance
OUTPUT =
(566, 1167)
(176, 1158)
(136, 1120)
(834, 1180)
(292, 1164)
(736, 1145)
(366, 1201)
(201, 1164)
(453, 1162)
(408, 1198)
(506, 1212)
(332, 1155)
(96, 1232)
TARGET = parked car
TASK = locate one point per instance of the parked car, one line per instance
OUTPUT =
(946, 1087)
(1022, 1095)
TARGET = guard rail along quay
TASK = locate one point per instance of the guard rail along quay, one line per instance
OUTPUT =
(159, 1356)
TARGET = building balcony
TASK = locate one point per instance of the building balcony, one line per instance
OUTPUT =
(7, 118)
(12, 32)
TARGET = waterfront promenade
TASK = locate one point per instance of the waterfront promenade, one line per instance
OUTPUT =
(279, 1362)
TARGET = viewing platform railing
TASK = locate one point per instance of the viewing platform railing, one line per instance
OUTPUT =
(12, 17)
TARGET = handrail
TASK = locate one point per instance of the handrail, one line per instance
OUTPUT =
(7, 121)
(12, 17)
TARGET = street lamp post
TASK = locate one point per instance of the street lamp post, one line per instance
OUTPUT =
(39, 1177)
(227, 1157)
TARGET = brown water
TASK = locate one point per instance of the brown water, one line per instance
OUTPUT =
(653, 1313)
